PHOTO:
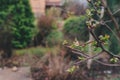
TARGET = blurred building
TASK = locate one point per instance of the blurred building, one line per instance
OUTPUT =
(39, 6)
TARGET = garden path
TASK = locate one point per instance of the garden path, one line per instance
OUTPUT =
(23, 73)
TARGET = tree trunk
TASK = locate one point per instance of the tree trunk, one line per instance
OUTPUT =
(90, 51)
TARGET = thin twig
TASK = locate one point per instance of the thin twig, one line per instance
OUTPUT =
(87, 58)
(79, 52)
(101, 46)
(107, 64)
(107, 21)
(112, 18)
(92, 57)
(116, 12)
(96, 38)
(111, 31)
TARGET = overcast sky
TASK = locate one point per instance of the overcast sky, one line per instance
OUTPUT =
(84, 2)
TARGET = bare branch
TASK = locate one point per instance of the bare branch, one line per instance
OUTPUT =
(116, 12)
(113, 15)
(108, 27)
(101, 46)
(91, 30)
(92, 57)
(87, 58)
(107, 21)
(112, 18)
(77, 51)
(80, 54)
(96, 38)
(107, 64)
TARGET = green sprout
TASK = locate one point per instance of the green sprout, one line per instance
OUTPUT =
(114, 60)
(72, 69)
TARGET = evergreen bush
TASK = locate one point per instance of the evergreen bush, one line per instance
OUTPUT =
(74, 27)
(20, 18)
(54, 38)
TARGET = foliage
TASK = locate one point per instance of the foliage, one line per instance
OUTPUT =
(74, 7)
(37, 51)
(54, 12)
(114, 6)
(72, 69)
(114, 47)
(21, 21)
(96, 19)
(116, 79)
(45, 26)
(54, 38)
(58, 69)
(5, 42)
(99, 11)
(74, 27)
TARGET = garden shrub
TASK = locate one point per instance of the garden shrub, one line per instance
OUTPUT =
(5, 43)
(114, 46)
(75, 6)
(54, 38)
(5, 35)
(45, 26)
(21, 19)
(54, 12)
(75, 27)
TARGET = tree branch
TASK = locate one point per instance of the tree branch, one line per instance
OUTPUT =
(92, 57)
(107, 64)
(116, 12)
(78, 52)
(101, 46)
(112, 18)
(87, 58)
(111, 31)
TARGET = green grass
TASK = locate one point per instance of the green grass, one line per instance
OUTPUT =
(39, 51)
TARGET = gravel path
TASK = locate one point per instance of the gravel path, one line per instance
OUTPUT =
(22, 74)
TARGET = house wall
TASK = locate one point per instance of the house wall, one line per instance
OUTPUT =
(38, 7)
(53, 0)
